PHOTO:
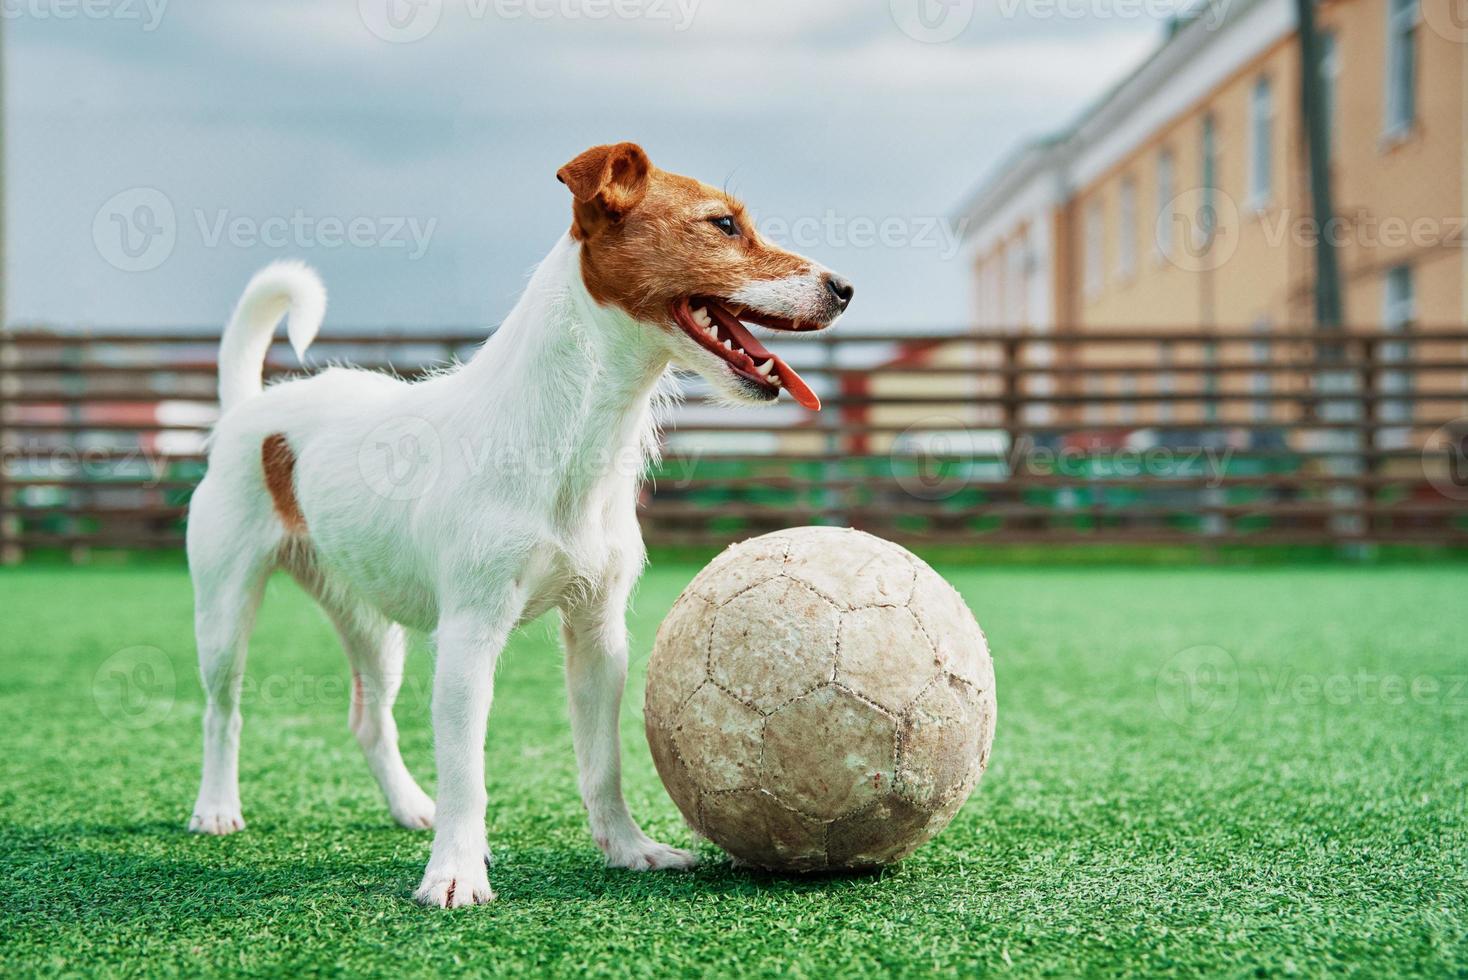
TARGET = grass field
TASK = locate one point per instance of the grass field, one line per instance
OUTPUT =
(1232, 771)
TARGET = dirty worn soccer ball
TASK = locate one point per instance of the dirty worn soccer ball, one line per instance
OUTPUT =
(819, 698)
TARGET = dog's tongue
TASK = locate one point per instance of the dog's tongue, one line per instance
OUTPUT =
(793, 382)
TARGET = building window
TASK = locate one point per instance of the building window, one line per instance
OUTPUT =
(1015, 284)
(1165, 195)
(1127, 413)
(1260, 382)
(1401, 66)
(1095, 273)
(1261, 144)
(1126, 252)
(1398, 312)
(1330, 77)
(1208, 183)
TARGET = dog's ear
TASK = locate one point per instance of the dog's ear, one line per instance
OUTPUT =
(607, 182)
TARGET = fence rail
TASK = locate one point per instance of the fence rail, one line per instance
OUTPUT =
(1176, 436)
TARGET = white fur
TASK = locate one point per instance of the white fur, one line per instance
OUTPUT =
(521, 497)
(798, 297)
(279, 289)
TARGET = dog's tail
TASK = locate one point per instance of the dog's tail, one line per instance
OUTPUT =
(280, 289)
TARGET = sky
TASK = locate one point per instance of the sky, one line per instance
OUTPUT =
(159, 152)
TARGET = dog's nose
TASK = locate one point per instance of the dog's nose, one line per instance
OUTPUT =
(841, 289)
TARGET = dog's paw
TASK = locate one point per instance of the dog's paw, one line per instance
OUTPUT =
(413, 811)
(216, 820)
(452, 888)
(642, 853)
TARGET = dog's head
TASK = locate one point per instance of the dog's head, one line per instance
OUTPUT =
(685, 259)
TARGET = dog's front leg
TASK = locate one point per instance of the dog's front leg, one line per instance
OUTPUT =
(469, 644)
(595, 634)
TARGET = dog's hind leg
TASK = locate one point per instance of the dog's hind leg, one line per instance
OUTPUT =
(228, 586)
(376, 648)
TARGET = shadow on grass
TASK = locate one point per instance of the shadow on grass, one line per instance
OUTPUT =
(153, 871)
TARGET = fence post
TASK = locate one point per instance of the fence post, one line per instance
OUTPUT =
(832, 422)
(1010, 352)
(10, 548)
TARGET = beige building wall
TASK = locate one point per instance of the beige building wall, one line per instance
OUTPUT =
(1398, 199)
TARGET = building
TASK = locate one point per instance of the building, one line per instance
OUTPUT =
(1108, 224)
(1181, 199)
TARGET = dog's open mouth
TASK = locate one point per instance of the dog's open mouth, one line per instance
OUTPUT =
(718, 329)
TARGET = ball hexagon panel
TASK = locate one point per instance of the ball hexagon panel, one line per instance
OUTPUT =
(944, 737)
(756, 829)
(719, 739)
(829, 753)
(739, 567)
(680, 656)
(869, 571)
(886, 831)
(884, 655)
(675, 774)
(773, 642)
(962, 649)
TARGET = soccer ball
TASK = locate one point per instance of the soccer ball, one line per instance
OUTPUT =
(819, 699)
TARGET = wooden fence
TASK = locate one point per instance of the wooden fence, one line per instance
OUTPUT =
(1278, 437)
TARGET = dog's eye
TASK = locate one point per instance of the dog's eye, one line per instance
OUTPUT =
(725, 224)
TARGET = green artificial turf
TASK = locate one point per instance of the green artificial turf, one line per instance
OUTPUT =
(1230, 771)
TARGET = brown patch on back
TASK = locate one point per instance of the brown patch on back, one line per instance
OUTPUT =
(278, 460)
(647, 241)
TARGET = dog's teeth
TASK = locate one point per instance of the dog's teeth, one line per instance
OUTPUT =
(702, 318)
(728, 345)
(776, 381)
(764, 369)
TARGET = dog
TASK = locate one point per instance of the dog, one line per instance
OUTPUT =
(481, 497)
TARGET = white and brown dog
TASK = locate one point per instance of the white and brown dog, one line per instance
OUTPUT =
(517, 495)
